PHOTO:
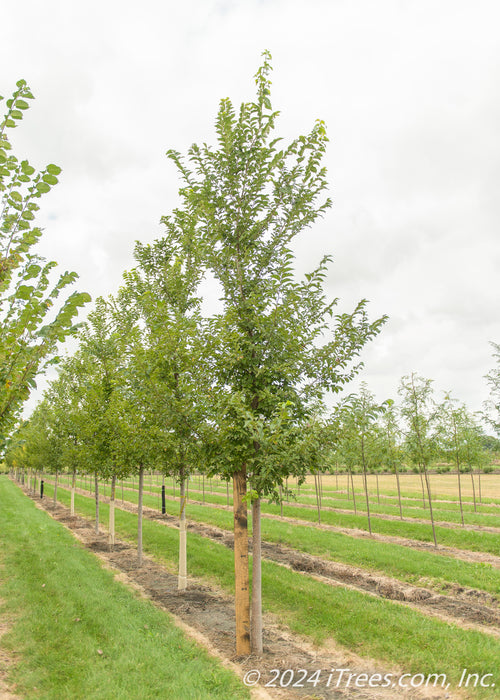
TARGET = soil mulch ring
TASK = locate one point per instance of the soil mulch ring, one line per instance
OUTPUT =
(208, 616)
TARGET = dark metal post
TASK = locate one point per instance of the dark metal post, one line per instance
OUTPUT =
(163, 508)
(41, 488)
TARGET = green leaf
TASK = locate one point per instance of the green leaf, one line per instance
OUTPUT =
(24, 291)
(53, 169)
(21, 104)
(43, 187)
(32, 271)
(27, 168)
(50, 179)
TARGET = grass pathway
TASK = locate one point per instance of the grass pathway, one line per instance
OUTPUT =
(368, 626)
(80, 634)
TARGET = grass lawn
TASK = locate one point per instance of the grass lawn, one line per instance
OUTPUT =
(80, 634)
(395, 560)
(369, 626)
(474, 540)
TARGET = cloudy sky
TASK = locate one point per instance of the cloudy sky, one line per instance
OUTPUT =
(409, 91)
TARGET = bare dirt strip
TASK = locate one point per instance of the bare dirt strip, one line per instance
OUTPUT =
(464, 555)
(208, 615)
(469, 607)
(466, 606)
(381, 516)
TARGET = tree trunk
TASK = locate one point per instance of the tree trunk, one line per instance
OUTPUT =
(399, 493)
(256, 629)
(112, 512)
(460, 493)
(241, 574)
(352, 489)
(457, 459)
(182, 578)
(365, 479)
(318, 498)
(96, 491)
(139, 516)
(73, 487)
(430, 504)
(422, 484)
(55, 487)
(473, 488)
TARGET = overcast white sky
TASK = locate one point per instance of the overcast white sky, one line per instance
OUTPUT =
(409, 91)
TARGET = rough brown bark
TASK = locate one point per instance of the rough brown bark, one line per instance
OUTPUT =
(256, 629)
(241, 574)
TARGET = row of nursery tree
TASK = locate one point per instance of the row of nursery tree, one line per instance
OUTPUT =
(360, 436)
(158, 384)
(155, 383)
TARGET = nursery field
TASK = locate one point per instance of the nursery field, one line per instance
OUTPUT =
(408, 619)
(440, 483)
(70, 630)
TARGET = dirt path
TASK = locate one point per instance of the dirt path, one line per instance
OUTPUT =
(211, 614)
(464, 555)
(444, 550)
(381, 516)
(471, 606)
(468, 607)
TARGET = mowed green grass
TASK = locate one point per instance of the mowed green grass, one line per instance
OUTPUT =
(406, 564)
(391, 559)
(446, 512)
(77, 633)
(369, 626)
(474, 540)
